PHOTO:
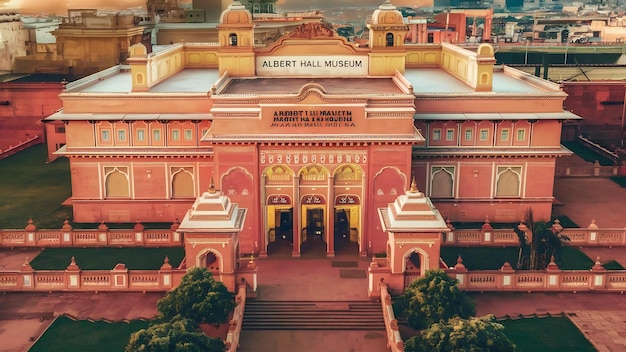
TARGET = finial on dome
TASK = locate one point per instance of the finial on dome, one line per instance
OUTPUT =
(413, 186)
(212, 186)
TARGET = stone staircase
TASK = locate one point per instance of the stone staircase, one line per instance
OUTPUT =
(312, 315)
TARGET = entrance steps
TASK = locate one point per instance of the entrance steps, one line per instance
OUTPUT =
(313, 315)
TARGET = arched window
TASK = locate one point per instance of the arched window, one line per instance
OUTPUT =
(508, 181)
(116, 182)
(442, 182)
(182, 183)
(389, 39)
(211, 261)
(232, 39)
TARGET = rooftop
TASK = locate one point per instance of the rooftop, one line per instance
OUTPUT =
(377, 85)
(120, 81)
(427, 80)
(436, 80)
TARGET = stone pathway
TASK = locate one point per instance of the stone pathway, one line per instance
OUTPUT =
(605, 329)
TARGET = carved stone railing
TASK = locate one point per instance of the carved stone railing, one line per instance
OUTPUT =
(394, 340)
(487, 236)
(597, 279)
(75, 279)
(22, 145)
(236, 323)
(89, 238)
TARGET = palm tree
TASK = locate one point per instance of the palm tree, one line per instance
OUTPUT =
(545, 243)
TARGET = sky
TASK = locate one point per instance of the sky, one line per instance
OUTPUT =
(61, 6)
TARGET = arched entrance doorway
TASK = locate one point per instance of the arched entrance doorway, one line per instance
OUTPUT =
(279, 222)
(416, 262)
(314, 233)
(347, 187)
(347, 224)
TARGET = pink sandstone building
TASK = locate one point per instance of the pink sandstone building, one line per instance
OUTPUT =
(318, 139)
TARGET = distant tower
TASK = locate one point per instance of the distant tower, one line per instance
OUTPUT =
(236, 40)
(387, 33)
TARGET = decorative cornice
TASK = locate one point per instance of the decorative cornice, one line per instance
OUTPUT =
(133, 96)
(488, 96)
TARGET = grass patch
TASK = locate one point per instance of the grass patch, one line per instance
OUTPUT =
(574, 259)
(67, 335)
(620, 180)
(32, 188)
(135, 258)
(554, 334)
(613, 265)
(481, 258)
(587, 154)
(492, 258)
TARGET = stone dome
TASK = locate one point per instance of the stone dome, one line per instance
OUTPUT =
(236, 13)
(387, 14)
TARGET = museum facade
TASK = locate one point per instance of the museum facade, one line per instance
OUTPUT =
(312, 135)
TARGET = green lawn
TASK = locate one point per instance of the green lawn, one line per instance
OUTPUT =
(30, 188)
(620, 180)
(67, 335)
(135, 258)
(587, 154)
(492, 258)
(553, 334)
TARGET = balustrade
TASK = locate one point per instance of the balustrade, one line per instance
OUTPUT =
(616, 280)
(467, 237)
(144, 279)
(529, 280)
(609, 238)
(49, 237)
(13, 237)
(96, 280)
(121, 237)
(575, 280)
(157, 237)
(478, 280)
(48, 279)
(507, 237)
(85, 237)
(8, 280)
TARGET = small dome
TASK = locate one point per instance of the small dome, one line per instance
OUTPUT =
(387, 14)
(236, 13)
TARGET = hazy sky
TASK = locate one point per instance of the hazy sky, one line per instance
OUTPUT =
(61, 6)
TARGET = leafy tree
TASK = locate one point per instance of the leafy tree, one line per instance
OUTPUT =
(199, 298)
(178, 335)
(433, 298)
(535, 253)
(482, 334)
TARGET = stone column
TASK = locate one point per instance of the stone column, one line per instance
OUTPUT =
(330, 249)
(297, 223)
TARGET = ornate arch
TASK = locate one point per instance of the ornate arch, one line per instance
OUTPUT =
(310, 172)
(183, 183)
(351, 173)
(116, 182)
(237, 181)
(424, 259)
(201, 258)
(379, 190)
(279, 172)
